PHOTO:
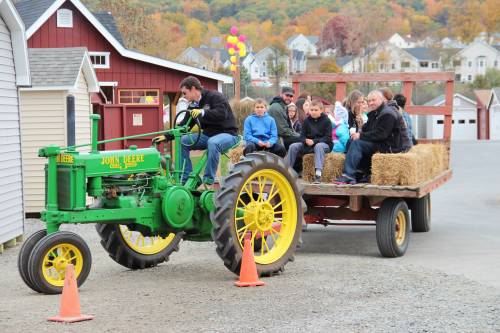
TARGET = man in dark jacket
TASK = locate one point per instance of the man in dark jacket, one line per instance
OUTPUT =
(316, 137)
(277, 110)
(218, 126)
(381, 133)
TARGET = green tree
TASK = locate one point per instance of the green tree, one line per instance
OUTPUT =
(276, 65)
(489, 80)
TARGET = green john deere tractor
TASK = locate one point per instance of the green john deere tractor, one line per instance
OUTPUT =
(142, 210)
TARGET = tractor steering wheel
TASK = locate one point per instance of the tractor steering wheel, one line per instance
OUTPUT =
(197, 123)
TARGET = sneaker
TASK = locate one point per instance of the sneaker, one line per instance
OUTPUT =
(364, 179)
(345, 180)
(317, 179)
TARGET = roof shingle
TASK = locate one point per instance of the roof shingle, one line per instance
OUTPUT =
(55, 67)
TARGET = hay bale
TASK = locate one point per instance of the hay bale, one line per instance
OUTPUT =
(332, 167)
(235, 154)
(386, 169)
(421, 163)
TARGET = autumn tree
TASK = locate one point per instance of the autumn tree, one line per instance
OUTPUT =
(464, 22)
(132, 21)
(338, 33)
(329, 65)
(490, 15)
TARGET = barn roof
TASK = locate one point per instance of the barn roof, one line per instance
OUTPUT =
(37, 12)
(59, 68)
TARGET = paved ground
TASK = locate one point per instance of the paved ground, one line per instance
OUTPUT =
(447, 282)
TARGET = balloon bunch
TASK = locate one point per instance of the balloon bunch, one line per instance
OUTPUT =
(235, 46)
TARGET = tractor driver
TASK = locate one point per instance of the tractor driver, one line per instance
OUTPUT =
(218, 126)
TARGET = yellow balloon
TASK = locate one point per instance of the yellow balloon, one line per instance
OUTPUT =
(243, 50)
(233, 39)
(233, 59)
(229, 39)
(231, 51)
(233, 68)
(240, 45)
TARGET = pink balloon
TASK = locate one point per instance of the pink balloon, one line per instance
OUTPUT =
(233, 30)
(229, 45)
(242, 38)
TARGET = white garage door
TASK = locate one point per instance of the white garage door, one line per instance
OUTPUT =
(11, 195)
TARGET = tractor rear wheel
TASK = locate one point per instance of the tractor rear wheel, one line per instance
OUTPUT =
(273, 217)
(133, 250)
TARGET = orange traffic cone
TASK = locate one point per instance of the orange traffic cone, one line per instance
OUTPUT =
(70, 301)
(248, 271)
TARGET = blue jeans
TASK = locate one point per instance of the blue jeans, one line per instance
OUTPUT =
(358, 150)
(214, 144)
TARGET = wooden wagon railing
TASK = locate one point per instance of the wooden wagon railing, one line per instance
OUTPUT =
(408, 79)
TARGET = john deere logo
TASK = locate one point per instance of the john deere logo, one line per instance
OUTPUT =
(65, 159)
(180, 206)
(123, 163)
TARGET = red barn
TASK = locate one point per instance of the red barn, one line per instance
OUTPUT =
(134, 86)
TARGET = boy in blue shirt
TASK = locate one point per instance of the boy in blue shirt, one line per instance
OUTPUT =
(260, 132)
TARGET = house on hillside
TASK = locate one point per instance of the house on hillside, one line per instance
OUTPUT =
(401, 42)
(205, 57)
(464, 119)
(136, 84)
(306, 44)
(260, 64)
(14, 69)
(424, 59)
(56, 109)
(451, 43)
(474, 59)
(494, 110)
(298, 62)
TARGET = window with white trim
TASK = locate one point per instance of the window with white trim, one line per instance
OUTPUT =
(99, 59)
(64, 18)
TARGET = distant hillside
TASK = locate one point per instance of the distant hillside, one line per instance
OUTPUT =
(166, 27)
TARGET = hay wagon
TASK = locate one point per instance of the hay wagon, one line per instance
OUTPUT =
(396, 200)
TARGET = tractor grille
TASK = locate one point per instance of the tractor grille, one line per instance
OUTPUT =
(71, 187)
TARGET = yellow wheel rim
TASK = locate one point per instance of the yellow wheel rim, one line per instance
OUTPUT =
(145, 245)
(269, 213)
(400, 228)
(55, 261)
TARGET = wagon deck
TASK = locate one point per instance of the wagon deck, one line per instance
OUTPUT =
(367, 189)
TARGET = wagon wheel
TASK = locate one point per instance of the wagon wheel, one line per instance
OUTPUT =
(24, 255)
(421, 214)
(50, 256)
(274, 217)
(133, 250)
(197, 123)
(393, 226)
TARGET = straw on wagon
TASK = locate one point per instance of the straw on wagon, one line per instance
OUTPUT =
(421, 163)
(332, 167)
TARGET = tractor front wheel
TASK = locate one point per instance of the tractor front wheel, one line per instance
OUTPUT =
(133, 250)
(24, 255)
(50, 256)
(259, 197)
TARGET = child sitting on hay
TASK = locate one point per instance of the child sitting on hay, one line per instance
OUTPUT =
(316, 137)
(260, 131)
(340, 132)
